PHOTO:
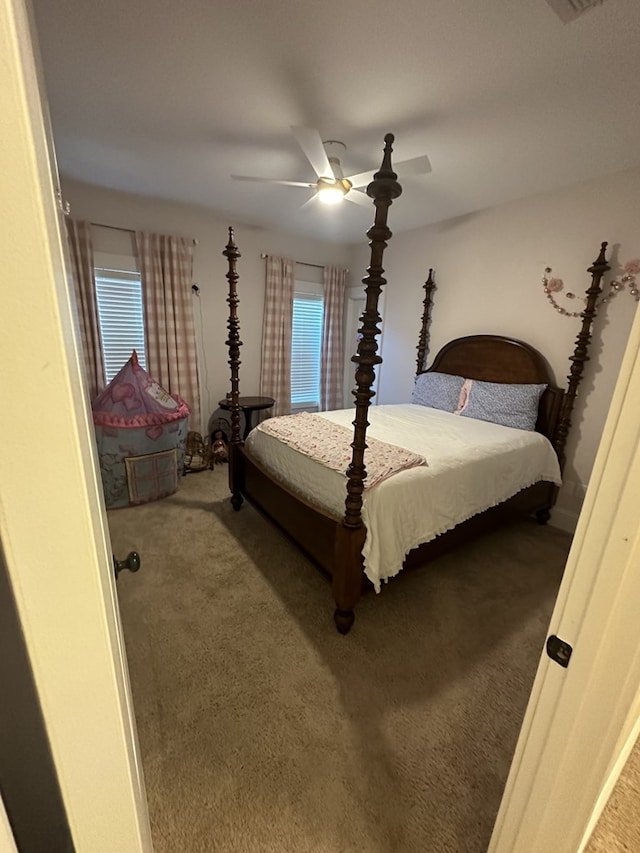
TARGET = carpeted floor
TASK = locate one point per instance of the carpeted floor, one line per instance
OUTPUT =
(262, 729)
(618, 830)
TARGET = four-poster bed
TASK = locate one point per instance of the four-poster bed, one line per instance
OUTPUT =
(335, 535)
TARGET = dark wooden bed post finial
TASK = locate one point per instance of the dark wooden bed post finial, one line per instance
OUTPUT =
(423, 339)
(581, 352)
(383, 189)
(234, 343)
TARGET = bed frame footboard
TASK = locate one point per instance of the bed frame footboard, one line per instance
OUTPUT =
(334, 548)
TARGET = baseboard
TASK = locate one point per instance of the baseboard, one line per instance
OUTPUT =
(564, 519)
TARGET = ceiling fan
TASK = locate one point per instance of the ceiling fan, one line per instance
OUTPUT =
(331, 185)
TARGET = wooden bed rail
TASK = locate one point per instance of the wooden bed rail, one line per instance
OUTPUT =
(581, 352)
(423, 338)
(383, 189)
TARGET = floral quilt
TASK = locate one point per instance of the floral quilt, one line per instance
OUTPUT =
(330, 444)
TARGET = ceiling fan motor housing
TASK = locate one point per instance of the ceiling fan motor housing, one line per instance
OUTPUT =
(334, 151)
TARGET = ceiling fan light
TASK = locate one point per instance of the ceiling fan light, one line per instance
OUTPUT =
(332, 191)
(330, 195)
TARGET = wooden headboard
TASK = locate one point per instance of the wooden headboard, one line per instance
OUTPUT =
(497, 359)
(493, 358)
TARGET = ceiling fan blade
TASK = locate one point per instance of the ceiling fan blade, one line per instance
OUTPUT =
(416, 166)
(404, 169)
(358, 198)
(309, 203)
(311, 143)
(272, 181)
(361, 180)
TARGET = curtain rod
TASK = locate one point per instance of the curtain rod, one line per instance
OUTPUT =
(264, 256)
(128, 230)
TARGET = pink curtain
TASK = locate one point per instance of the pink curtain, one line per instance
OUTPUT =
(275, 371)
(84, 286)
(166, 265)
(332, 360)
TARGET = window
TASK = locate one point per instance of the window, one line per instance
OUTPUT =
(121, 318)
(306, 346)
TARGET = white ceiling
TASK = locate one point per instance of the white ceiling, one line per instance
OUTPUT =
(169, 99)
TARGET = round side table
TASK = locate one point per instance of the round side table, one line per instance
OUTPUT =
(249, 405)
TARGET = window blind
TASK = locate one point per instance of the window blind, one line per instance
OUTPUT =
(306, 345)
(121, 318)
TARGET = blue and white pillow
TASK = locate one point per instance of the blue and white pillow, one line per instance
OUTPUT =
(509, 404)
(437, 390)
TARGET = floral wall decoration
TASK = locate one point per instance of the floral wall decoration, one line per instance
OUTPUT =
(626, 281)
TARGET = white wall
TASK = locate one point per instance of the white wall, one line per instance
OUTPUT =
(210, 307)
(488, 267)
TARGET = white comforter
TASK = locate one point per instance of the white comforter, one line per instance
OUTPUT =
(471, 466)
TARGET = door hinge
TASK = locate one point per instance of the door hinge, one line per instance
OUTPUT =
(63, 205)
(558, 650)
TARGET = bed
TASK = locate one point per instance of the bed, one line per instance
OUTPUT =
(363, 524)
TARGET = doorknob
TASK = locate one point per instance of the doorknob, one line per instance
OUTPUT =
(132, 563)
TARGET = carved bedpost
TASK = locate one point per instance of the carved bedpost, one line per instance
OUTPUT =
(383, 189)
(581, 352)
(234, 343)
(423, 339)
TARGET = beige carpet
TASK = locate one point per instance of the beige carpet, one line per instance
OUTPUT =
(262, 729)
(618, 829)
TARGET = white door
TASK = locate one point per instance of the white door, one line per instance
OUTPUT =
(52, 516)
(582, 720)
